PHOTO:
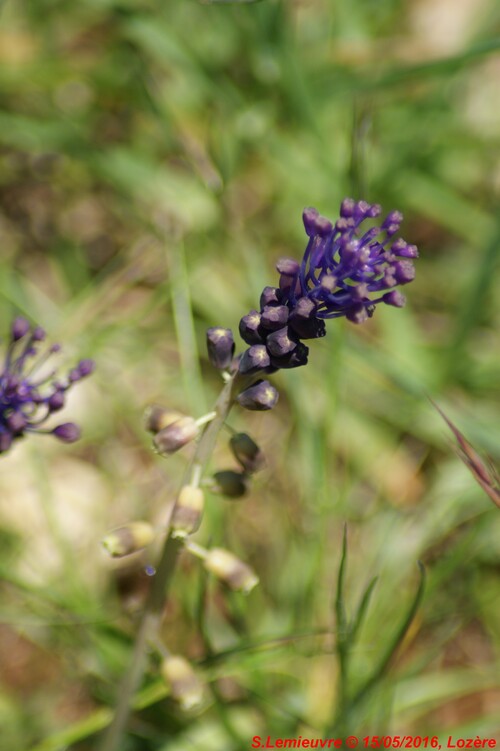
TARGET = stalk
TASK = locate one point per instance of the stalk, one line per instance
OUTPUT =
(155, 603)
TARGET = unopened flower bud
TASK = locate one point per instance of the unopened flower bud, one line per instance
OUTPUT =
(254, 358)
(249, 328)
(229, 483)
(20, 327)
(270, 296)
(128, 539)
(176, 435)
(68, 432)
(279, 343)
(188, 511)
(230, 570)
(157, 417)
(220, 346)
(293, 359)
(395, 298)
(247, 452)
(274, 316)
(185, 686)
(303, 319)
(259, 397)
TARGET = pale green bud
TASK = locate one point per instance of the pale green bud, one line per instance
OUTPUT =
(128, 539)
(188, 511)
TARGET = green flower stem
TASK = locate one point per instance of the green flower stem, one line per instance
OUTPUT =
(155, 604)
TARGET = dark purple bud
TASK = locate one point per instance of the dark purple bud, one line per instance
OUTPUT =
(289, 283)
(38, 334)
(220, 346)
(259, 397)
(16, 422)
(270, 296)
(295, 359)
(279, 343)
(56, 401)
(255, 358)
(303, 319)
(394, 298)
(68, 432)
(274, 317)
(20, 327)
(247, 452)
(230, 483)
(86, 367)
(249, 328)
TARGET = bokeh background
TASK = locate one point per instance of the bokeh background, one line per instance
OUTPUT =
(154, 162)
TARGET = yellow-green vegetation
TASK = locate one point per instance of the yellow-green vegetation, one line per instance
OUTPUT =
(155, 159)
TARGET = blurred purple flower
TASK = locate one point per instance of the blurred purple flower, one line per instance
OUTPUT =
(27, 401)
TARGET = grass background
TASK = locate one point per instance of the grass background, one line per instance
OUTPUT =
(155, 160)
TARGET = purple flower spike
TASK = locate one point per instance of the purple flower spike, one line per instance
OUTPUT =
(346, 271)
(28, 398)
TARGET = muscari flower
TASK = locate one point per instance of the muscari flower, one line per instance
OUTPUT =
(28, 399)
(345, 272)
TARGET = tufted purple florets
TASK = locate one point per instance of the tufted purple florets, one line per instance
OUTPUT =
(27, 401)
(344, 272)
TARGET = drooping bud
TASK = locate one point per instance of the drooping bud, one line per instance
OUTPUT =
(20, 327)
(229, 483)
(176, 435)
(280, 343)
(293, 359)
(188, 511)
(259, 397)
(86, 367)
(247, 452)
(157, 417)
(303, 319)
(249, 328)
(68, 432)
(395, 298)
(274, 316)
(56, 401)
(230, 570)
(270, 296)
(185, 686)
(128, 539)
(254, 358)
(220, 346)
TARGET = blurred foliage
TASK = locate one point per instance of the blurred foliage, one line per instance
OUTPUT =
(154, 162)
